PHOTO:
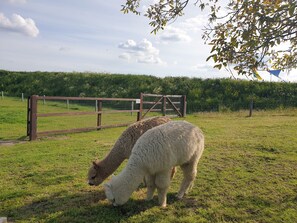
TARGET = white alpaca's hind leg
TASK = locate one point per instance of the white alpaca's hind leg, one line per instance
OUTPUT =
(150, 183)
(189, 173)
(162, 182)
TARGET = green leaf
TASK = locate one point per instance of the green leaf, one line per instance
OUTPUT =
(219, 66)
(210, 57)
(292, 9)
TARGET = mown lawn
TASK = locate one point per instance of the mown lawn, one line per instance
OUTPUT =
(248, 173)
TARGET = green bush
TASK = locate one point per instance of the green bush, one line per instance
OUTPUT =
(202, 95)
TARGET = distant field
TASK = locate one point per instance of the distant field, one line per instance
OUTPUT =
(248, 172)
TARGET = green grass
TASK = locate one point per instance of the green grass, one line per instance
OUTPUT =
(248, 173)
(13, 115)
(13, 121)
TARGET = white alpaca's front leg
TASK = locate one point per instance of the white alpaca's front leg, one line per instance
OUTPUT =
(162, 182)
(162, 196)
(150, 183)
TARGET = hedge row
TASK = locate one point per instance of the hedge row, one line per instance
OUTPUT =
(202, 95)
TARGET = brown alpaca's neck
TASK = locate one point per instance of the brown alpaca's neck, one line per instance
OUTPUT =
(110, 163)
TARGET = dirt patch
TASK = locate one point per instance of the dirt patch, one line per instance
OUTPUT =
(55, 137)
(10, 142)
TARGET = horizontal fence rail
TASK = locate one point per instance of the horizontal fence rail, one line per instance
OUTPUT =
(169, 105)
(33, 114)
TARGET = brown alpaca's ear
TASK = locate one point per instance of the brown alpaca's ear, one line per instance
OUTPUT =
(95, 165)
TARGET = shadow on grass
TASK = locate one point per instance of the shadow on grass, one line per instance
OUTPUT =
(81, 207)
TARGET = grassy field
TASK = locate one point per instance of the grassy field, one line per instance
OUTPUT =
(248, 173)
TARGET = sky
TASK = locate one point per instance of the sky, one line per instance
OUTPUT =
(95, 36)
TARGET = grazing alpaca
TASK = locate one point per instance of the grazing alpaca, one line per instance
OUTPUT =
(100, 170)
(176, 143)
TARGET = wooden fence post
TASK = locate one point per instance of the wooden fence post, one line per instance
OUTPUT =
(251, 107)
(139, 114)
(99, 116)
(132, 107)
(183, 107)
(33, 118)
(164, 101)
(28, 115)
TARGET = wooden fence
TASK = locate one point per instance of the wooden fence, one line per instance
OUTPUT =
(167, 105)
(179, 107)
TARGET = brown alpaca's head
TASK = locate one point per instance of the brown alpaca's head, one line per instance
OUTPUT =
(94, 177)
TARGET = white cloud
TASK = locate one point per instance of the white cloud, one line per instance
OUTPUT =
(64, 49)
(150, 59)
(17, 1)
(19, 24)
(147, 4)
(174, 34)
(195, 23)
(144, 46)
(180, 32)
(206, 70)
(202, 67)
(143, 52)
(125, 56)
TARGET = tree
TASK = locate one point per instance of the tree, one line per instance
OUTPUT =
(256, 34)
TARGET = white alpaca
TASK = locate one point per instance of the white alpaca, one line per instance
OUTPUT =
(176, 143)
(121, 150)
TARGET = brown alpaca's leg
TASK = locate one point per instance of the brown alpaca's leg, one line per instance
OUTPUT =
(173, 171)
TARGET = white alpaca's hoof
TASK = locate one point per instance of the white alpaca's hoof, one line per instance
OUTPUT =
(179, 196)
(149, 198)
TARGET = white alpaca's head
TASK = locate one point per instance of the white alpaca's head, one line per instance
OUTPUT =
(115, 193)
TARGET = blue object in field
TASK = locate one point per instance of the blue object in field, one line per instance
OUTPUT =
(274, 72)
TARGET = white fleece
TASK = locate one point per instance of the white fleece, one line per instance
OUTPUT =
(157, 151)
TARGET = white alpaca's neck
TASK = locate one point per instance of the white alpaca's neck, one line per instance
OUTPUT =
(128, 180)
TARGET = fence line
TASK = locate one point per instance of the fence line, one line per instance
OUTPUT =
(32, 114)
(3, 95)
(166, 102)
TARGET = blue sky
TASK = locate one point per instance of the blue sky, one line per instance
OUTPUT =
(94, 36)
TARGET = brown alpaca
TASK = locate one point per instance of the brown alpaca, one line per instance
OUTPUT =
(100, 170)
